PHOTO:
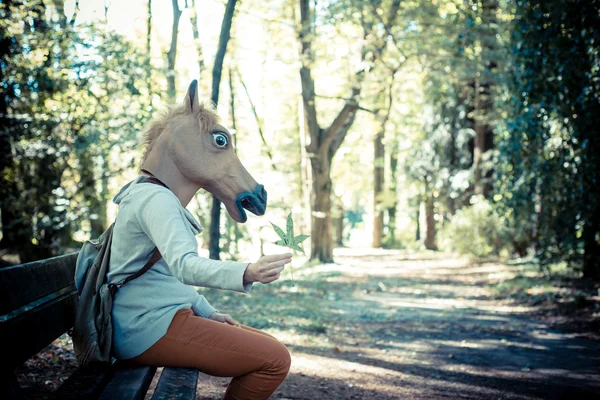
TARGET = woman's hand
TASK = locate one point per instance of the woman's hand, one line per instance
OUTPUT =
(267, 268)
(217, 316)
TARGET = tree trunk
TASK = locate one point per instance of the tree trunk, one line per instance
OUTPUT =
(339, 225)
(418, 219)
(232, 109)
(591, 260)
(484, 83)
(87, 187)
(324, 143)
(321, 220)
(12, 233)
(378, 162)
(99, 224)
(194, 21)
(149, 51)
(215, 212)
(391, 211)
(222, 49)
(454, 167)
(237, 235)
(591, 229)
(15, 229)
(305, 175)
(430, 223)
(172, 54)
(483, 143)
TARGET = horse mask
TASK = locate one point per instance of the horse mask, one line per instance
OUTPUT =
(203, 152)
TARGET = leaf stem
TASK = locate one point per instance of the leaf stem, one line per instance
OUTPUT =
(292, 270)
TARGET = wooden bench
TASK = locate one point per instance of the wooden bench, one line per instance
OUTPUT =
(37, 305)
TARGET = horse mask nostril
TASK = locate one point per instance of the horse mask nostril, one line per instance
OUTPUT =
(246, 203)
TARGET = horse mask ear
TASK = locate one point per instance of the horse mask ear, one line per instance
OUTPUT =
(191, 99)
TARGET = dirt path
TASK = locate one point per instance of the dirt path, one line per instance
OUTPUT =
(394, 325)
(409, 327)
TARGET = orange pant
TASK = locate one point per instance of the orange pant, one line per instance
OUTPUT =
(257, 361)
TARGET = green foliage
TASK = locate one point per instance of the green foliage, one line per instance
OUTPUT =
(461, 56)
(550, 150)
(35, 48)
(75, 98)
(71, 99)
(233, 234)
(478, 230)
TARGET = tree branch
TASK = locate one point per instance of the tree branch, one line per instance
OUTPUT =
(258, 124)
(75, 13)
(348, 111)
(335, 134)
(338, 139)
(368, 110)
(333, 97)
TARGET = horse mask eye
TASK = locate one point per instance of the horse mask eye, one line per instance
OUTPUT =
(220, 140)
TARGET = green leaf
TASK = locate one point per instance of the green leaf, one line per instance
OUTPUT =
(300, 238)
(288, 239)
(290, 227)
(279, 231)
(297, 248)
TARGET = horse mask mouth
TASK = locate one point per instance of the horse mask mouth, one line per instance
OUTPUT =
(255, 202)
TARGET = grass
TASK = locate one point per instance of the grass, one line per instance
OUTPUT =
(317, 302)
(532, 284)
(281, 306)
(559, 295)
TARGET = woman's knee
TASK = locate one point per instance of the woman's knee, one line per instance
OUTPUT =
(281, 359)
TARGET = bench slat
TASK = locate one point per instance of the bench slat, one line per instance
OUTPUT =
(176, 383)
(28, 332)
(25, 283)
(129, 383)
(85, 383)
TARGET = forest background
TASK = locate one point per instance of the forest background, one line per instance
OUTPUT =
(467, 126)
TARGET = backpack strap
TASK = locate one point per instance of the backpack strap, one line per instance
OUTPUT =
(155, 255)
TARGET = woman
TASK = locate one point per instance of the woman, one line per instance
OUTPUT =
(159, 318)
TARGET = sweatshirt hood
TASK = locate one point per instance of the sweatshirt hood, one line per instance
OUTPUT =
(125, 190)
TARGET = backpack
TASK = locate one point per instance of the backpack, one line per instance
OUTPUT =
(92, 331)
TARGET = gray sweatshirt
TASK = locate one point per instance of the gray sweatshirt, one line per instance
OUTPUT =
(151, 215)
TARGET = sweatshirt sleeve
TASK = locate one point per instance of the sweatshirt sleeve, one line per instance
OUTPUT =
(202, 307)
(161, 218)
